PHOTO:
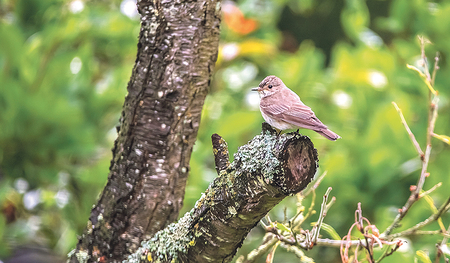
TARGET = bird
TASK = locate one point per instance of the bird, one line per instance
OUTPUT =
(283, 109)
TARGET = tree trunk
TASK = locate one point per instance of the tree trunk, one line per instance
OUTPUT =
(177, 49)
(264, 171)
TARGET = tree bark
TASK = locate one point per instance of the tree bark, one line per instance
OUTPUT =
(264, 171)
(177, 50)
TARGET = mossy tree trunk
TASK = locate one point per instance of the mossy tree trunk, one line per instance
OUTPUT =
(177, 50)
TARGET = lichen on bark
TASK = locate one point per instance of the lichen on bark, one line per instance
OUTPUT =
(264, 171)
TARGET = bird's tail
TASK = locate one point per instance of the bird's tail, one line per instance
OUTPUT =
(328, 134)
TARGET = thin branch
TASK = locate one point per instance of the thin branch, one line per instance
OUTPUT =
(446, 237)
(308, 214)
(442, 245)
(430, 190)
(411, 135)
(311, 188)
(298, 253)
(444, 208)
(313, 185)
(423, 42)
(426, 157)
(337, 243)
(431, 232)
(432, 122)
(387, 253)
(333, 200)
(323, 213)
(365, 231)
(269, 241)
(435, 69)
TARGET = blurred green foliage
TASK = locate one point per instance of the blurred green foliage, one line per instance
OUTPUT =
(350, 82)
(64, 66)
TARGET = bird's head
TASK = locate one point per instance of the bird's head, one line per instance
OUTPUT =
(269, 86)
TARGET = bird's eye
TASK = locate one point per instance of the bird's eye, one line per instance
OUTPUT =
(270, 86)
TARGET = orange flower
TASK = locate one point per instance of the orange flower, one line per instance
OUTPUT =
(236, 21)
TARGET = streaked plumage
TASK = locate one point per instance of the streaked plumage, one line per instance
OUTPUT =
(283, 109)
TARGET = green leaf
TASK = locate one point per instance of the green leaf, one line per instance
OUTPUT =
(422, 256)
(443, 138)
(330, 230)
(424, 78)
(282, 227)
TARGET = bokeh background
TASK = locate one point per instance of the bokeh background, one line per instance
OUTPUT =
(64, 67)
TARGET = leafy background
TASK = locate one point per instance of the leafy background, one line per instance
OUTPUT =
(64, 66)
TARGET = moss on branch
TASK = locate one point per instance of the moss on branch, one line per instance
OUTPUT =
(264, 171)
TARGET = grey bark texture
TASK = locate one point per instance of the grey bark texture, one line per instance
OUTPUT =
(264, 171)
(177, 50)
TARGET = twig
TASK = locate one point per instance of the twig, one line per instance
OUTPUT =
(293, 224)
(369, 249)
(435, 69)
(359, 219)
(309, 213)
(271, 254)
(337, 243)
(287, 240)
(446, 237)
(443, 243)
(421, 232)
(333, 200)
(323, 213)
(311, 188)
(411, 135)
(313, 185)
(297, 252)
(430, 190)
(432, 117)
(432, 122)
(269, 241)
(426, 71)
(444, 207)
(386, 253)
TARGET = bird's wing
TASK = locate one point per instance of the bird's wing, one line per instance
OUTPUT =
(300, 111)
(273, 110)
(297, 114)
(302, 116)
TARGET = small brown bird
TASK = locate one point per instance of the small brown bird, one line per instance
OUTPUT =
(283, 109)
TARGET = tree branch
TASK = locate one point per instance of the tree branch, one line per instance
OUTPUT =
(425, 157)
(411, 135)
(264, 172)
(434, 217)
(220, 150)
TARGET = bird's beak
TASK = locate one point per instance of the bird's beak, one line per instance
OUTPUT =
(255, 89)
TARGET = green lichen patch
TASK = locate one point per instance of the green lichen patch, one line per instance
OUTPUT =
(82, 256)
(167, 243)
(258, 155)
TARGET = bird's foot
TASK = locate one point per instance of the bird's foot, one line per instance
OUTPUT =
(278, 133)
